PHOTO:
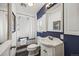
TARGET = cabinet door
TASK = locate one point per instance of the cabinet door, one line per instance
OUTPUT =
(44, 52)
(3, 26)
(47, 51)
(71, 18)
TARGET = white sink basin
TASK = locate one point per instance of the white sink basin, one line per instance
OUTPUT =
(48, 42)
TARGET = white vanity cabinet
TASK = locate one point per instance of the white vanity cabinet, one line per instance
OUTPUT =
(52, 47)
(52, 51)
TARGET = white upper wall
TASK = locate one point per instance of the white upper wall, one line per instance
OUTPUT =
(3, 22)
(21, 10)
(71, 18)
(55, 14)
(3, 6)
(27, 10)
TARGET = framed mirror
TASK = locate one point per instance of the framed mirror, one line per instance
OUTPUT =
(56, 25)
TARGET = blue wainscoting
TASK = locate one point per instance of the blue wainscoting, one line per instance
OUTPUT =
(49, 33)
(71, 43)
(42, 34)
(54, 34)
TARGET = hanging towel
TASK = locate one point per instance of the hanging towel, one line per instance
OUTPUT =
(23, 41)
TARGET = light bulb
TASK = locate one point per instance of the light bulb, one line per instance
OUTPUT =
(30, 4)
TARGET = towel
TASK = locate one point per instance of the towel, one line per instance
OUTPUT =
(23, 41)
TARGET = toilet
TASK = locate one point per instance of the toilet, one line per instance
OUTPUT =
(33, 49)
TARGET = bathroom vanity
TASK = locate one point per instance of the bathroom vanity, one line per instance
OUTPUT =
(53, 47)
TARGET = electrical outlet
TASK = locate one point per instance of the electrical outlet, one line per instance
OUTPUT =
(61, 36)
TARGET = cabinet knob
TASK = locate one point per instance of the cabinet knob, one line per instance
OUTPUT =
(45, 51)
(13, 47)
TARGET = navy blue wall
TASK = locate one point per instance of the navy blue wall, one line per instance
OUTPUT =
(71, 42)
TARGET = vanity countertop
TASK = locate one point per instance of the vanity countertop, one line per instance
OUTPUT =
(55, 42)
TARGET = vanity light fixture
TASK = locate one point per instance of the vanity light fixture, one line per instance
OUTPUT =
(49, 5)
(26, 4)
(30, 4)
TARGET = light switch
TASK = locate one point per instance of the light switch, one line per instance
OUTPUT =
(61, 36)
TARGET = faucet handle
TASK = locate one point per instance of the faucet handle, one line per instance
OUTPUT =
(50, 37)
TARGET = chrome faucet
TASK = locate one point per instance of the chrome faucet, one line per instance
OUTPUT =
(50, 37)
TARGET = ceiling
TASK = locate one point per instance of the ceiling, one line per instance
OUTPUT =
(28, 9)
(36, 7)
